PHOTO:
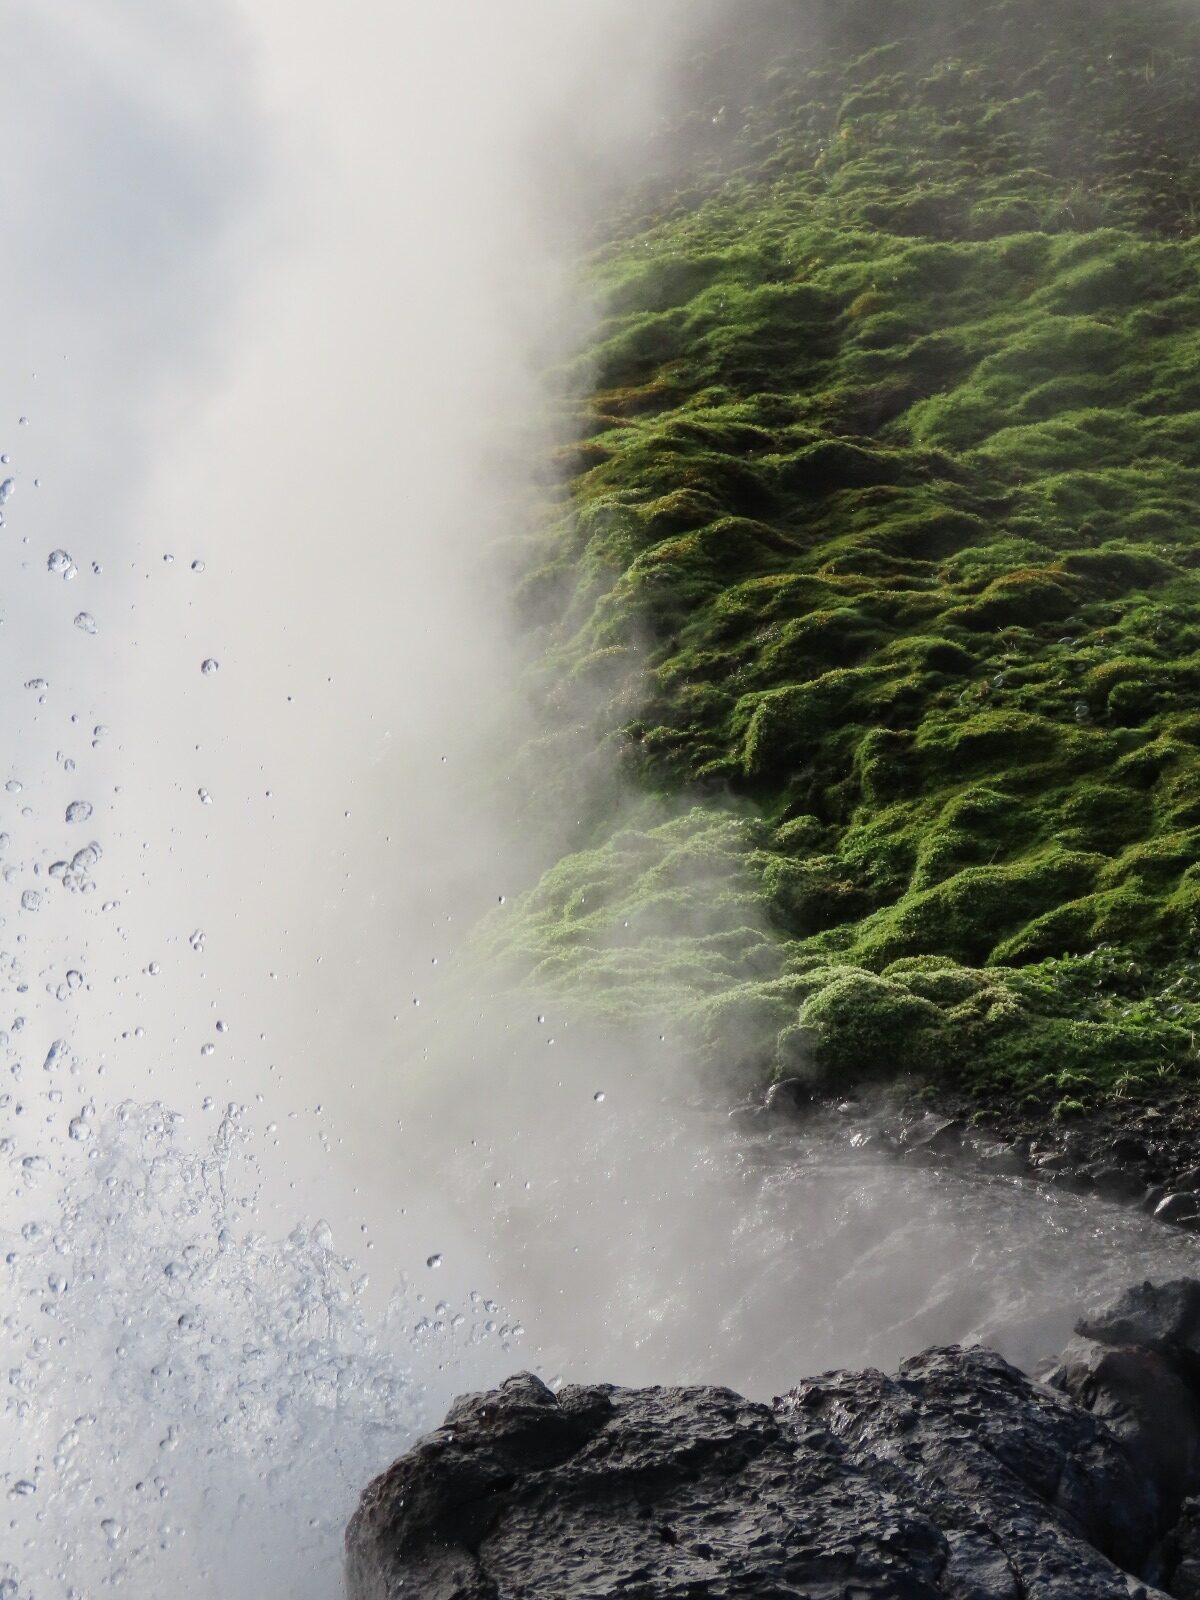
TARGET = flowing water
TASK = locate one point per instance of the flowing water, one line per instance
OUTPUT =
(275, 299)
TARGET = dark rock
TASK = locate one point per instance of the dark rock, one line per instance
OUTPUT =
(1071, 1178)
(789, 1099)
(1151, 1198)
(1143, 1399)
(1177, 1207)
(1005, 1159)
(1118, 1183)
(492, 1507)
(1054, 1161)
(934, 1135)
(1181, 1554)
(957, 1479)
(1164, 1318)
(1127, 1147)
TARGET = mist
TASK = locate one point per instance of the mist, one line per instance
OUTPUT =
(283, 285)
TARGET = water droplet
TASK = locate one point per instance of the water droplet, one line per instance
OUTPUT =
(205, 797)
(36, 683)
(209, 665)
(23, 1487)
(168, 559)
(598, 1096)
(197, 566)
(434, 1261)
(154, 969)
(6, 489)
(31, 900)
(207, 1049)
(79, 811)
(222, 1027)
(85, 622)
(13, 786)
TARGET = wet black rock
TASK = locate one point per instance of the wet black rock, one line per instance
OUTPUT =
(933, 1135)
(1178, 1207)
(1118, 1183)
(957, 1479)
(789, 1099)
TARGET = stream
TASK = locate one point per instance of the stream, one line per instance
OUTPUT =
(276, 304)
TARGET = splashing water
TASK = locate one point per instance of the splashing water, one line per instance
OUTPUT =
(189, 1403)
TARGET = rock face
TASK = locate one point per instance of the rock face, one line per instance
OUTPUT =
(958, 1478)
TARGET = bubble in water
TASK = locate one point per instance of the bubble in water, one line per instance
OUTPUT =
(434, 1261)
(209, 665)
(79, 810)
(85, 622)
(60, 562)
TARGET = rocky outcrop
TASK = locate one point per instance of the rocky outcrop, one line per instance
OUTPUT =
(1144, 1157)
(959, 1478)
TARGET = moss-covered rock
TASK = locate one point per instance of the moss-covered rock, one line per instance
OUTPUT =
(883, 527)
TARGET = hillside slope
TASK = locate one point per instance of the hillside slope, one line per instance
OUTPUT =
(881, 557)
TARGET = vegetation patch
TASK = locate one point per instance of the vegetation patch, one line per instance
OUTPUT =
(881, 548)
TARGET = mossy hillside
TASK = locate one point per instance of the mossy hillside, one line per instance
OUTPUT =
(884, 518)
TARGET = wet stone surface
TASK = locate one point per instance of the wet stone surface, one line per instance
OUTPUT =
(1144, 1155)
(959, 1477)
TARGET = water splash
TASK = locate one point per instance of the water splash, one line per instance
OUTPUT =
(190, 1404)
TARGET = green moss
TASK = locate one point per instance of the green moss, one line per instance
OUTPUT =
(882, 526)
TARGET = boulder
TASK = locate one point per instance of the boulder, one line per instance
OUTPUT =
(958, 1478)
